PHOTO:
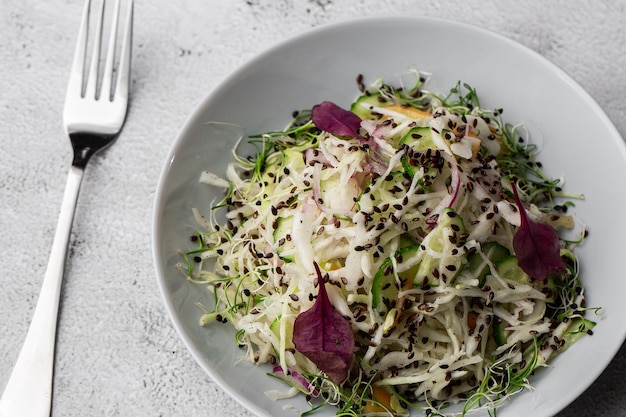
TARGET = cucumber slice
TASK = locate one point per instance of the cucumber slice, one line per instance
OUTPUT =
(385, 288)
(509, 269)
(577, 328)
(364, 105)
(477, 265)
(498, 331)
(448, 262)
(285, 249)
(420, 139)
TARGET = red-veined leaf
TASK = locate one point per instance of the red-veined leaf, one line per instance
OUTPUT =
(536, 245)
(325, 336)
(329, 117)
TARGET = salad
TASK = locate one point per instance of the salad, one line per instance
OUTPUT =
(408, 252)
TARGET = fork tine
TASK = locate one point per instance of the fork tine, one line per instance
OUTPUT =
(92, 80)
(105, 90)
(75, 86)
(123, 76)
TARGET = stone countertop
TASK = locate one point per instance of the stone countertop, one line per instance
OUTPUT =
(117, 351)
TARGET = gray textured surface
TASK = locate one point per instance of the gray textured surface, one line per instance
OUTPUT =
(117, 353)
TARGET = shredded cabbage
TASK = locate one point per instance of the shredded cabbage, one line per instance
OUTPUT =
(412, 222)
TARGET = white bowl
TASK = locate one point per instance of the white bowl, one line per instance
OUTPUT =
(578, 142)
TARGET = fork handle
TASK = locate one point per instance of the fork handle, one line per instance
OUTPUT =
(29, 390)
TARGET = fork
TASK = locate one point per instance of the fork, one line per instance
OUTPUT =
(92, 119)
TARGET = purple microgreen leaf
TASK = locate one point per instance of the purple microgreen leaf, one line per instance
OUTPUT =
(536, 245)
(329, 117)
(325, 336)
